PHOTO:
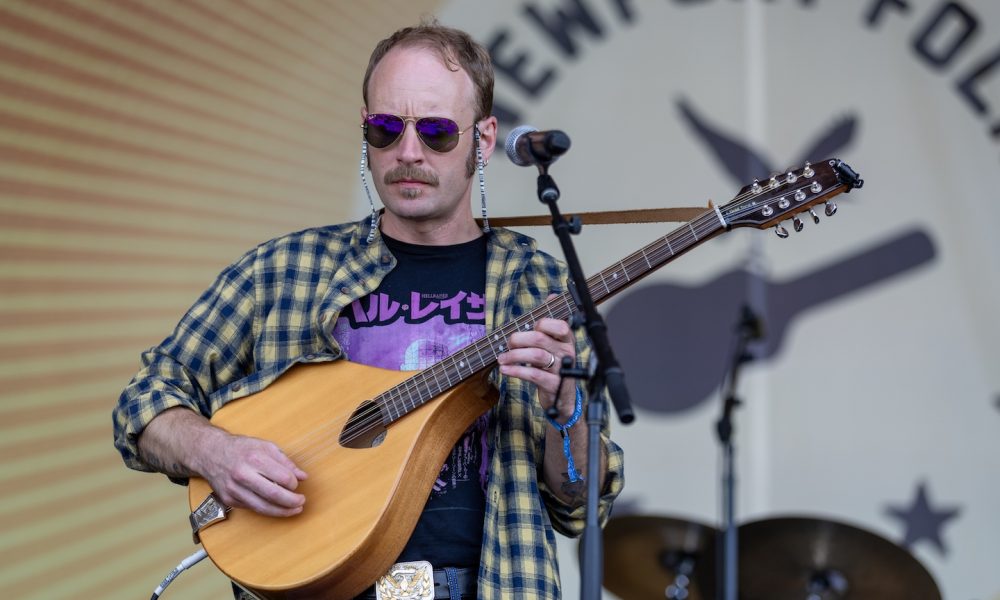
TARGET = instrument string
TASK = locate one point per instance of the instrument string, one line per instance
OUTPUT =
(425, 385)
(418, 389)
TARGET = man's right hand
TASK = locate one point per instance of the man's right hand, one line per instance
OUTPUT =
(243, 472)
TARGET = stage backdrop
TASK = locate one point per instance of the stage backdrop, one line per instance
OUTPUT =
(147, 144)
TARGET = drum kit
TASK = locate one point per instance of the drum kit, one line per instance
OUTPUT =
(783, 558)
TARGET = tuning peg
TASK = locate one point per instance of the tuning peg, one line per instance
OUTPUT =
(808, 171)
(831, 209)
(780, 231)
(797, 224)
(814, 216)
(774, 182)
(755, 188)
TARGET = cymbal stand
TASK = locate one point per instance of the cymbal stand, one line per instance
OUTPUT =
(748, 329)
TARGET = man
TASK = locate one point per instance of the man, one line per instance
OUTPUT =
(401, 292)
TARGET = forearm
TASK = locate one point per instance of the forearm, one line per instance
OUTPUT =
(175, 441)
(555, 463)
(242, 471)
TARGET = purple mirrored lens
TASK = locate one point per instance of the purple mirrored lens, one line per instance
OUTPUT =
(438, 133)
(383, 129)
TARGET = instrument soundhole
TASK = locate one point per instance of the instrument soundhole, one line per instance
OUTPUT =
(364, 428)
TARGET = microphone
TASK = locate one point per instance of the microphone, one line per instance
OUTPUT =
(527, 146)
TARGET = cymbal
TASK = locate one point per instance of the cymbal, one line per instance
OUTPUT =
(644, 555)
(790, 557)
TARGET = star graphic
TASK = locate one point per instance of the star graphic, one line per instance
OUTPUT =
(922, 521)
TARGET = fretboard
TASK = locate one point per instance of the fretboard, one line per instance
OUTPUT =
(482, 354)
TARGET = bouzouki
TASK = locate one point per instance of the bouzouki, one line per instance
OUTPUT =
(373, 440)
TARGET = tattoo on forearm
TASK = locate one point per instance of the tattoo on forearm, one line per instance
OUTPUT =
(575, 491)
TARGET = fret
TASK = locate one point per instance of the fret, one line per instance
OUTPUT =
(624, 271)
(464, 362)
(649, 265)
(393, 414)
(484, 359)
(411, 393)
(391, 403)
(666, 238)
(693, 231)
(427, 389)
(399, 402)
(433, 372)
(447, 372)
(680, 241)
(500, 347)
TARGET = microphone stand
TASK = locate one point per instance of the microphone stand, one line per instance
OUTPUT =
(748, 329)
(607, 374)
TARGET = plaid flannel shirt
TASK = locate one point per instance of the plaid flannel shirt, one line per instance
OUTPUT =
(276, 306)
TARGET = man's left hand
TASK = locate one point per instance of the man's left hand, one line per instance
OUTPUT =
(537, 355)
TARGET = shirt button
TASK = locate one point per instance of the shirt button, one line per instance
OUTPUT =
(345, 290)
(385, 259)
(309, 356)
(237, 387)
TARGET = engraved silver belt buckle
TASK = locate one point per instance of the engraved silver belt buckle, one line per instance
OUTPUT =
(407, 581)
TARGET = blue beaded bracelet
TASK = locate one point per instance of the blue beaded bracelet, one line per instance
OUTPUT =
(563, 428)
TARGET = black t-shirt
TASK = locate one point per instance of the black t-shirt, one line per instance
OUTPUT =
(429, 306)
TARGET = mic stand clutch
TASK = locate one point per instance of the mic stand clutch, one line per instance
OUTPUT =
(607, 374)
(748, 329)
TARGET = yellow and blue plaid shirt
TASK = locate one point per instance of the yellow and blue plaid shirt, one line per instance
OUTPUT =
(276, 306)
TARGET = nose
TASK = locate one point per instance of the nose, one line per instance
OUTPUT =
(411, 149)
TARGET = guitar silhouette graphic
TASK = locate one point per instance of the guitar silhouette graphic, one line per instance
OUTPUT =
(744, 164)
(674, 341)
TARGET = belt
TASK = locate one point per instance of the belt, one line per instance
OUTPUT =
(464, 585)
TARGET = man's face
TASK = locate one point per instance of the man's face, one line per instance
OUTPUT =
(418, 185)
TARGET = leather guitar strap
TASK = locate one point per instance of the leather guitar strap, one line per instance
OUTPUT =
(608, 217)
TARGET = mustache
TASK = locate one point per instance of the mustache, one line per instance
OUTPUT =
(410, 173)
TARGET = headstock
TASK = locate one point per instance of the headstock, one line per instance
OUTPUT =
(767, 203)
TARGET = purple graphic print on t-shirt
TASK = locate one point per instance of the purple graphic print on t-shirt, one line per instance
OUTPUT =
(410, 336)
(380, 332)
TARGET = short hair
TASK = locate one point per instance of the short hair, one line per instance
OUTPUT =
(457, 50)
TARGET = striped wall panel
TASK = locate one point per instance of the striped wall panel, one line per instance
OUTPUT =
(144, 144)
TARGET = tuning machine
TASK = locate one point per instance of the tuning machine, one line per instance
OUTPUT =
(831, 208)
(780, 231)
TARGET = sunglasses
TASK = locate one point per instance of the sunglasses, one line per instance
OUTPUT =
(437, 133)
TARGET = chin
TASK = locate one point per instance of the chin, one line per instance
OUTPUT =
(417, 208)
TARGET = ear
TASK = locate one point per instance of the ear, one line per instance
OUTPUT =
(487, 137)
(364, 113)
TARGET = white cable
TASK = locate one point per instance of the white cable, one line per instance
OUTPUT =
(185, 564)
